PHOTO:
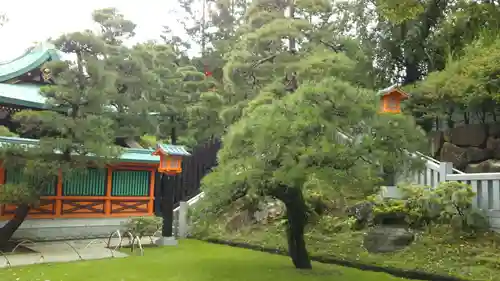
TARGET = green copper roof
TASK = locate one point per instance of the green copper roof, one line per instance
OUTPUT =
(387, 90)
(22, 94)
(131, 155)
(174, 150)
(32, 59)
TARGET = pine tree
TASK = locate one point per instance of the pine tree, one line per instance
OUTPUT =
(73, 136)
(135, 83)
(292, 89)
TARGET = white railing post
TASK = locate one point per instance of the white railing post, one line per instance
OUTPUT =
(183, 219)
(445, 169)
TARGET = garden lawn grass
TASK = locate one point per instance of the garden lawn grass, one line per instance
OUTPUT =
(436, 252)
(190, 261)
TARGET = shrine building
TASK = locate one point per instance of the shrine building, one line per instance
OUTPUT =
(92, 204)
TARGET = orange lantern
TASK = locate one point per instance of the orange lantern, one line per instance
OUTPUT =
(390, 99)
(170, 158)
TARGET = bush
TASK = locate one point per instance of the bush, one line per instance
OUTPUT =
(143, 226)
(331, 224)
(449, 203)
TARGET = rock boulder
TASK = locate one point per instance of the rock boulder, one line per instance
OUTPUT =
(385, 239)
(494, 130)
(454, 154)
(470, 135)
(493, 145)
(475, 154)
(363, 212)
(488, 166)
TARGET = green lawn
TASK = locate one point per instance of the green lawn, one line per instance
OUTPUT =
(436, 252)
(190, 261)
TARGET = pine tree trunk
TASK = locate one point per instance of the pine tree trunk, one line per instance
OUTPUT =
(8, 230)
(296, 212)
(173, 132)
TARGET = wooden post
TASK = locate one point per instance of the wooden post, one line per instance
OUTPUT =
(167, 206)
(2, 181)
(109, 185)
(183, 219)
(151, 193)
(59, 194)
(167, 212)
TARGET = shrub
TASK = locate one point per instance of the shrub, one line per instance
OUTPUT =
(143, 226)
(332, 224)
(449, 203)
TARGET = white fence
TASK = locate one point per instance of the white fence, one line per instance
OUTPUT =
(181, 216)
(485, 185)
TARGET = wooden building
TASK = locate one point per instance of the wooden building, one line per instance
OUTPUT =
(92, 204)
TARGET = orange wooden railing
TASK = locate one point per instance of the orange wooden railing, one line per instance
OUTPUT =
(60, 206)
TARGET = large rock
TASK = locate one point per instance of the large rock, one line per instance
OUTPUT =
(269, 211)
(494, 130)
(454, 154)
(488, 166)
(493, 144)
(476, 154)
(385, 239)
(469, 135)
(239, 220)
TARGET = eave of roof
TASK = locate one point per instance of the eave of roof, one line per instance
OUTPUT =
(27, 95)
(130, 155)
(30, 60)
(391, 89)
(174, 150)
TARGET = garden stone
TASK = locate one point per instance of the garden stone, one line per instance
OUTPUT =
(488, 166)
(362, 212)
(454, 154)
(239, 220)
(475, 154)
(493, 144)
(386, 239)
(470, 135)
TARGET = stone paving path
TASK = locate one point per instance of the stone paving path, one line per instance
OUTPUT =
(64, 251)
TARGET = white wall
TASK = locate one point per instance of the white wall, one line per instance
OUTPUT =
(64, 229)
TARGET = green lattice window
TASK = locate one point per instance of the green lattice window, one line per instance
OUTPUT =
(130, 183)
(89, 183)
(14, 176)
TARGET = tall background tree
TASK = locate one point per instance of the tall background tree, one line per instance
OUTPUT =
(3, 19)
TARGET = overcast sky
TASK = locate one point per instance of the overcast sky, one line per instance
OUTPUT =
(35, 21)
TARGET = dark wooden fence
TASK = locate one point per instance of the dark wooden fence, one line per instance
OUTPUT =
(187, 185)
(203, 158)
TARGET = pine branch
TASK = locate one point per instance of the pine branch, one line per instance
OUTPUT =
(267, 59)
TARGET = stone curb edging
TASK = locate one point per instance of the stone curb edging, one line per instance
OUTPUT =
(403, 273)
